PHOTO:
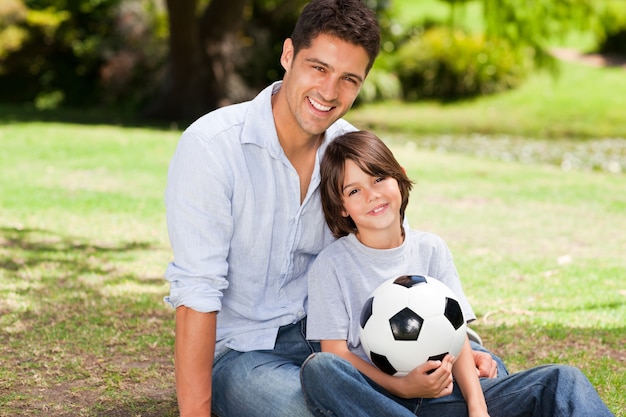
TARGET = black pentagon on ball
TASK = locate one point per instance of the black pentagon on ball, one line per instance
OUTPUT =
(454, 313)
(410, 280)
(406, 324)
(436, 358)
(382, 363)
(366, 312)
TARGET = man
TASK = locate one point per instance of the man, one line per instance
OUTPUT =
(245, 221)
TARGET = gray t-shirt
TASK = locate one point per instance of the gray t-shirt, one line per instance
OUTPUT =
(346, 272)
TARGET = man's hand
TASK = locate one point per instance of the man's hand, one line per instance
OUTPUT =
(486, 366)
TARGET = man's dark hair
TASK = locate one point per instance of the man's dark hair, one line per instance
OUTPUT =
(349, 20)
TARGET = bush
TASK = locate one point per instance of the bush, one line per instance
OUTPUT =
(612, 36)
(55, 53)
(449, 64)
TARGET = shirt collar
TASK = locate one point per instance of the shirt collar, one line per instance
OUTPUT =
(259, 128)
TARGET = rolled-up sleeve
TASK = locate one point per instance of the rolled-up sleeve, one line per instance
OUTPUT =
(199, 224)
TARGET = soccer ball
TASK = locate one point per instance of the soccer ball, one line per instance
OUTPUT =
(409, 320)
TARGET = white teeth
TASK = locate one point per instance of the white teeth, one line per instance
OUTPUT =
(318, 105)
(378, 210)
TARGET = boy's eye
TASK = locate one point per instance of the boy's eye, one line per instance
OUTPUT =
(379, 179)
(352, 192)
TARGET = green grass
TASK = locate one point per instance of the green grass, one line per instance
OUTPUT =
(83, 330)
(539, 245)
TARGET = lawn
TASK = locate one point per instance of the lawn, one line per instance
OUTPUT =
(539, 244)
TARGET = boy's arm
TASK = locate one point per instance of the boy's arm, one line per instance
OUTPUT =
(419, 383)
(194, 350)
(464, 371)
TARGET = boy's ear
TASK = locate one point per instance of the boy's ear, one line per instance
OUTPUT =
(344, 213)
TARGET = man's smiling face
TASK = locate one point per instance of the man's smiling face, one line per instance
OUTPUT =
(320, 84)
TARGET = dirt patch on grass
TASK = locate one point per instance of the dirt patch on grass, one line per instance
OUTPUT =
(592, 59)
(78, 383)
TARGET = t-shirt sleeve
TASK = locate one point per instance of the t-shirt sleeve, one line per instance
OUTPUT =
(448, 274)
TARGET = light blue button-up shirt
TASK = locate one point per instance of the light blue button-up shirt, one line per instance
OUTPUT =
(242, 241)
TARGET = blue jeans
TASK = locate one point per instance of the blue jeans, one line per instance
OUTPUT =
(333, 387)
(267, 383)
(263, 382)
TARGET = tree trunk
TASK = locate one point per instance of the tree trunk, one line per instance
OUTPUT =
(219, 27)
(200, 58)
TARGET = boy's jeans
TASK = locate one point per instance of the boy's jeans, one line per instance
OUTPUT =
(331, 383)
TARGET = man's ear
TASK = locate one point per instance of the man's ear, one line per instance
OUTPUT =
(286, 58)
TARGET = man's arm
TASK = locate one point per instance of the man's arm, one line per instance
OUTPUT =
(193, 356)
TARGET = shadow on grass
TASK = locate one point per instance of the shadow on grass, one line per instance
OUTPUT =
(81, 332)
(158, 408)
(21, 113)
(33, 243)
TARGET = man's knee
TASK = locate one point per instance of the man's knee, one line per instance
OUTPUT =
(318, 362)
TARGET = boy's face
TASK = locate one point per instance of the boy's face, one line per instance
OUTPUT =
(320, 84)
(373, 203)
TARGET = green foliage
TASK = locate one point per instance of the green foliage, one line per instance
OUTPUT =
(449, 64)
(78, 52)
(536, 23)
(612, 30)
(57, 56)
(489, 45)
(381, 83)
(11, 36)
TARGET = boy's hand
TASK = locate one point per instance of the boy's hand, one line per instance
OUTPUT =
(430, 380)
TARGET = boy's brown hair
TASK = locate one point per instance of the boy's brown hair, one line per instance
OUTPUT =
(370, 154)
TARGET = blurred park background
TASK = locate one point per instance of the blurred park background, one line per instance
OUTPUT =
(177, 59)
(509, 115)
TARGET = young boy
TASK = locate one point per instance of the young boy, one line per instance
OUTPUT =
(364, 195)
